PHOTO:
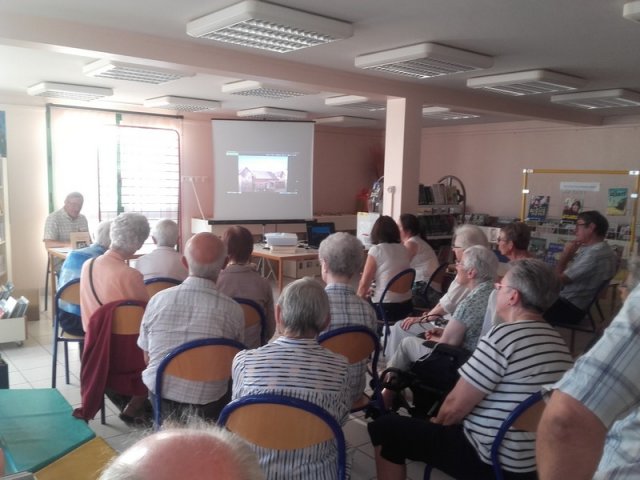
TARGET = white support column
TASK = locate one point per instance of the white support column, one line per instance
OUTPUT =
(402, 156)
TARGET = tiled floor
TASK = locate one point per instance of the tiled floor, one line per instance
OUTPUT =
(30, 367)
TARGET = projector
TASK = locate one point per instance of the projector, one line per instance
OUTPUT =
(281, 239)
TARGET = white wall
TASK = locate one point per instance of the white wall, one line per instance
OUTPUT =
(489, 159)
(27, 183)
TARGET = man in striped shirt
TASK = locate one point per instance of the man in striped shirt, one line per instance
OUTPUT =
(295, 365)
(515, 359)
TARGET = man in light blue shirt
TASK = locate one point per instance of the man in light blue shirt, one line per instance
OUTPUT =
(69, 313)
(591, 426)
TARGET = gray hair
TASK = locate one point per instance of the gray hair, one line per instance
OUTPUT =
(536, 281)
(166, 233)
(482, 260)
(469, 235)
(305, 307)
(129, 231)
(342, 253)
(241, 454)
(103, 237)
(205, 270)
(74, 195)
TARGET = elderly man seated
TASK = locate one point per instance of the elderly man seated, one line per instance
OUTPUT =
(69, 314)
(295, 365)
(164, 261)
(195, 309)
(511, 362)
(341, 258)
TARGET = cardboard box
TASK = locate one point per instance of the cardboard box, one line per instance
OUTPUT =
(301, 268)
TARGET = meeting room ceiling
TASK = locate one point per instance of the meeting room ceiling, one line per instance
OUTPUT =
(589, 40)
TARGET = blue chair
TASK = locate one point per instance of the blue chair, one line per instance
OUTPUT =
(154, 285)
(357, 343)
(279, 422)
(253, 315)
(70, 293)
(525, 417)
(202, 360)
(400, 283)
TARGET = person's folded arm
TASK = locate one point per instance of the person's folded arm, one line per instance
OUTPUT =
(459, 403)
(368, 274)
(570, 440)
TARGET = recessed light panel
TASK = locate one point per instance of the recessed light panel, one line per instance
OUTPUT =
(251, 88)
(442, 113)
(268, 26)
(531, 82)
(355, 102)
(83, 93)
(615, 98)
(182, 104)
(132, 72)
(347, 121)
(423, 60)
(270, 113)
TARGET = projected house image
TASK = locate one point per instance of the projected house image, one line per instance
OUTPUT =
(262, 174)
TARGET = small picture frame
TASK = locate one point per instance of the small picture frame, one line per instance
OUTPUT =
(79, 240)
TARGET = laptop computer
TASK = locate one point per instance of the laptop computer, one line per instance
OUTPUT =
(318, 231)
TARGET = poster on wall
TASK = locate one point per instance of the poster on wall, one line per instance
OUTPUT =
(3, 135)
(617, 201)
(538, 208)
(572, 207)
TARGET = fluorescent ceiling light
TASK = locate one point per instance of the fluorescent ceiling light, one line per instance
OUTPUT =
(267, 26)
(356, 102)
(182, 104)
(72, 92)
(252, 88)
(615, 98)
(347, 121)
(530, 82)
(423, 60)
(631, 11)
(132, 72)
(443, 113)
(270, 113)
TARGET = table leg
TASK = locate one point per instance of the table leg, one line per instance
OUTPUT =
(280, 275)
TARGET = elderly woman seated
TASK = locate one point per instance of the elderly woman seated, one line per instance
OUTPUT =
(341, 257)
(240, 279)
(511, 362)
(465, 236)
(476, 272)
(297, 366)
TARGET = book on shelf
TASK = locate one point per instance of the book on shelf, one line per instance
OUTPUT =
(617, 201)
(21, 308)
(572, 207)
(553, 252)
(538, 208)
(538, 247)
(8, 305)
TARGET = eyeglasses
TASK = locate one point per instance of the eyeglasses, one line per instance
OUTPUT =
(500, 285)
(502, 239)
(581, 224)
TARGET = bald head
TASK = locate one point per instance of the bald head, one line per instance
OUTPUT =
(205, 254)
(206, 452)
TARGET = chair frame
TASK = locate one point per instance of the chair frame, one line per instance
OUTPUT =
(389, 287)
(525, 416)
(166, 282)
(354, 357)
(592, 327)
(262, 316)
(57, 336)
(295, 403)
(175, 353)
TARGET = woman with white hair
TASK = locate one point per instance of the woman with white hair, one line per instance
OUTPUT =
(297, 366)
(103, 280)
(164, 261)
(464, 237)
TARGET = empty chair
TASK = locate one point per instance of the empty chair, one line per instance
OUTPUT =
(255, 321)
(70, 293)
(155, 285)
(278, 422)
(202, 360)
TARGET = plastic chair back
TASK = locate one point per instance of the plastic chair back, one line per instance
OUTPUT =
(155, 285)
(254, 315)
(201, 360)
(279, 422)
(70, 293)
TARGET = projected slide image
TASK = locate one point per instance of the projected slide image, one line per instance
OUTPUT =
(262, 173)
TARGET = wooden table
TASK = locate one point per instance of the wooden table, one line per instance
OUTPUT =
(265, 254)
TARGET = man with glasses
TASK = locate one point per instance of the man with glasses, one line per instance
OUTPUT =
(583, 265)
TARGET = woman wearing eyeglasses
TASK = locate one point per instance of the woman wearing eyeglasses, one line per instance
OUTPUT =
(511, 362)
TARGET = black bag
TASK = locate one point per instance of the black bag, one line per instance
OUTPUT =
(435, 374)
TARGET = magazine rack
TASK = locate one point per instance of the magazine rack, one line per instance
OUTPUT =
(633, 193)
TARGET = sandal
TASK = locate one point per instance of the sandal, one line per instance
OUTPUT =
(138, 422)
